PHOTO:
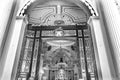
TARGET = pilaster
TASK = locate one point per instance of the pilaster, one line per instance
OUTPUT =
(109, 16)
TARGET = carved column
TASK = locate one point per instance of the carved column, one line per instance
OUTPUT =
(12, 50)
(41, 71)
(8, 9)
(99, 44)
(110, 17)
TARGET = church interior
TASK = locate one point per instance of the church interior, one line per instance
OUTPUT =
(60, 40)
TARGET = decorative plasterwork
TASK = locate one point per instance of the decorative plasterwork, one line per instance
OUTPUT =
(49, 14)
(39, 15)
(52, 16)
(28, 2)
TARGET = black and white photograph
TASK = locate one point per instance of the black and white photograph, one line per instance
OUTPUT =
(60, 40)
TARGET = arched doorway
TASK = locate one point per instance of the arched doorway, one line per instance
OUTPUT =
(57, 43)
